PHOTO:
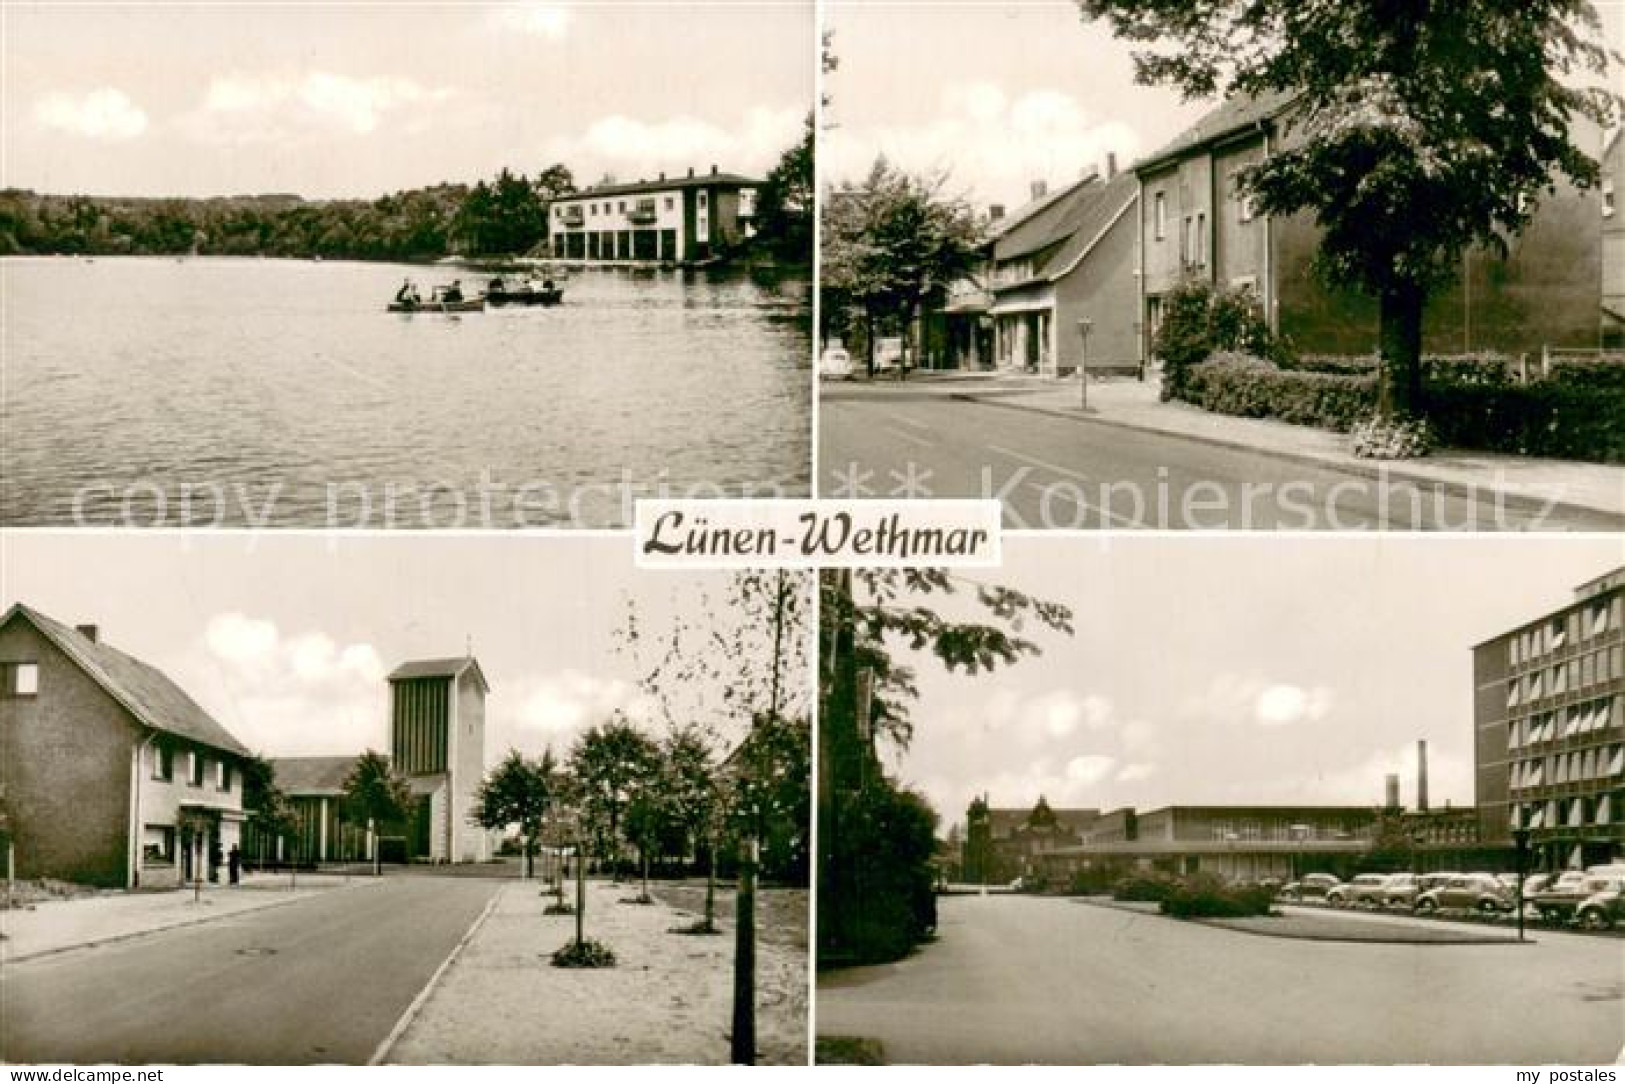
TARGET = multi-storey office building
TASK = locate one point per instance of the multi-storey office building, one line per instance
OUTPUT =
(1549, 729)
(684, 220)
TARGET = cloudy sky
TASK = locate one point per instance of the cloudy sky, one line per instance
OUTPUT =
(999, 94)
(358, 100)
(287, 639)
(1237, 669)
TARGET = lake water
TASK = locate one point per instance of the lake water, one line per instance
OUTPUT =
(164, 392)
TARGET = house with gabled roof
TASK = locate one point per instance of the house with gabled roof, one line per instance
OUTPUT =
(112, 774)
(1196, 222)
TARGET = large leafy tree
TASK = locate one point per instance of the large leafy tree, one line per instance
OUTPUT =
(517, 792)
(375, 794)
(1417, 128)
(891, 245)
(875, 878)
(784, 208)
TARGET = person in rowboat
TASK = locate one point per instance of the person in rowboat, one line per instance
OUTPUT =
(454, 292)
(407, 294)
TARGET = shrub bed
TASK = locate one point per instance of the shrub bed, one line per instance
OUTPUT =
(587, 953)
(1552, 418)
(1144, 888)
(1209, 897)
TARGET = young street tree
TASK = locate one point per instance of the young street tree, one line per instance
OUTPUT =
(1415, 130)
(518, 791)
(611, 764)
(891, 245)
(374, 793)
(692, 794)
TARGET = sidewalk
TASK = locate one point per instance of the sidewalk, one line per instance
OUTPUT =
(667, 1000)
(1593, 487)
(60, 925)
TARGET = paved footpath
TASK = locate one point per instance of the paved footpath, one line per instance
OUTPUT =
(668, 1000)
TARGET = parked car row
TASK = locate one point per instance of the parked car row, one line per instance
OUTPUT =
(1593, 898)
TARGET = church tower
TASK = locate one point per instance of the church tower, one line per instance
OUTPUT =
(437, 741)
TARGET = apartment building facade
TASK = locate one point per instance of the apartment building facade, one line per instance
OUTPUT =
(1549, 729)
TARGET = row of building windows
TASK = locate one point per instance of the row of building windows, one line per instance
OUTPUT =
(619, 206)
(1578, 625)
(197, 768)
(1572, 676)
(1281, 832)
(1568, 813)
(1569, 722)
(1580, 766)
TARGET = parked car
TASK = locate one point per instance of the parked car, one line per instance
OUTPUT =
(1365, 890)
(1403, 888)
(1471, 892)
(835, 364)
(1601, 909)
(1572, 890)
(1558, 900)
(1311, 886)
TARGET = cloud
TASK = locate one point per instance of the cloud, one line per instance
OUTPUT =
(1088, 770)
(538, 18)
(631, 147)
(245, 108)
(1130, 773)
(105, 113)
(1253, 701)
(554, 709)
(1285, 705)
(991, 143)
(290, 694)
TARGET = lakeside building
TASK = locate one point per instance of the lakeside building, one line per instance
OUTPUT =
(682, 220)
(1549, 729)
(111, 774)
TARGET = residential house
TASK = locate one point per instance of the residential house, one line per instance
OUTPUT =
(112, 774)
(1069, 262)
(1195, 222)
(1613, 241)
(682, 220)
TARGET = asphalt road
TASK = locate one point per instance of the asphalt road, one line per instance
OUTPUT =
(1053, 472)
(1023, 979)
(322, 980)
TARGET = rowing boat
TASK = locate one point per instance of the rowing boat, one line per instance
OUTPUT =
(476, 304)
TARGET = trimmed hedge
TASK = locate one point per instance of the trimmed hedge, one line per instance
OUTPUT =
(1566, 421)
(1144, 888)
(1576, 413)
(1252, 388)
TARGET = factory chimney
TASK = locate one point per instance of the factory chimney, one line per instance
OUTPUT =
(1422, 776)
(1391, 798)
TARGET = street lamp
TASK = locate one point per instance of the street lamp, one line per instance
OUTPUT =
(1083, 362)
(1520, 840)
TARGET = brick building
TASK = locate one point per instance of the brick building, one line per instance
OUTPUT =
(1002, 844)
(112, 774)
(1549, 729)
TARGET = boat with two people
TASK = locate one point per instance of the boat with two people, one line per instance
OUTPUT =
(448, 298)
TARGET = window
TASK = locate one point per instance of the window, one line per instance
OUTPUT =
(157, 843)
(19, 679)
(195, 769)
(670, 203)
(163, 763)
(1159, 215)
(703, 196)
(1201, 240)
(1608, 197)
(222, 777)
(620, 207)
